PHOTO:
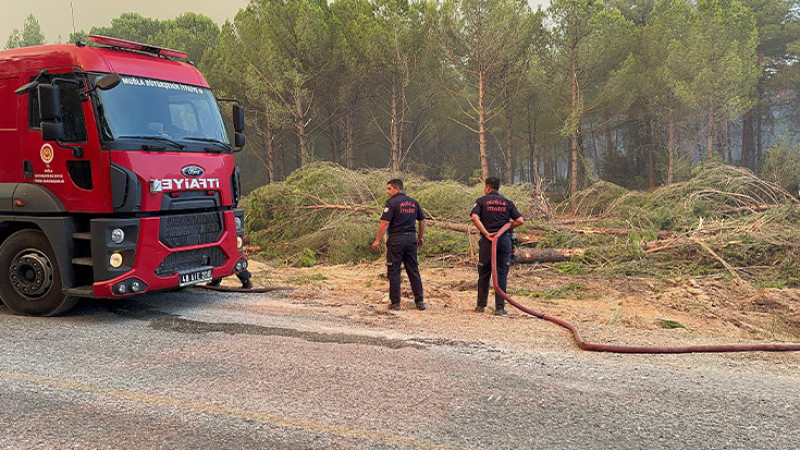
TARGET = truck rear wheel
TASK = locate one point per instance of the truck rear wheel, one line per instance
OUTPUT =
(30, 282)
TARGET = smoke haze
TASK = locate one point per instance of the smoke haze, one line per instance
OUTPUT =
(56, 16)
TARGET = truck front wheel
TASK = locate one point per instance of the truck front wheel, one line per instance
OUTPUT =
(30, 282)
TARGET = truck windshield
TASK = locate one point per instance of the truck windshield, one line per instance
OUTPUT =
(177, 116)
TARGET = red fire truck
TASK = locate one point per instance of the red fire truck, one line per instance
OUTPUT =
(117, 175)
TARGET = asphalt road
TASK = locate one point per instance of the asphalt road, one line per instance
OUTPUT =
(207, 370)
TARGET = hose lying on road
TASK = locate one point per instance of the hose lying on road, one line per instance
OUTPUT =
(626, 348)
(254, 290)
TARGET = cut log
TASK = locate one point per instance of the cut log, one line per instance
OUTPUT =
(537, 255)
(596, 230)
(529, 238)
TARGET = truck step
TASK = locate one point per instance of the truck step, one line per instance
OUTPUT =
(80, 291)
(87, 261)
(83, 236)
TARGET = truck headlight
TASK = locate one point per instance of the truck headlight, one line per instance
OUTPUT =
(117, 235)
(115, 260)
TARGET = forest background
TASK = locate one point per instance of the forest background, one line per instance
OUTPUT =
(635, 93)
(653, 144)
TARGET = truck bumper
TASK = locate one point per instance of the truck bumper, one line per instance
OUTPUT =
(150, 264)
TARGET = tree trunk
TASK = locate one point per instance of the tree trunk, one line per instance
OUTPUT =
(574, 138)
(300, 127)
(401, 123)
(595, 154)
(350, 141)
(759, 141)
(394, 127)
(747, 140)
(283, 163)
(334, 138)
(509, 153)
(609, 140)
(710, 137)
(270, 152)
(482, 128)
(671, 147)
(651, 158)
(547, 162)
(574, 156)
(533, 166)
(728, 139)
(651, 168)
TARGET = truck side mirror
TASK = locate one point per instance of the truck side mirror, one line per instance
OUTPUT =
(238, 140)
(52, 131)
(50, 113)
(49, 102)
(238, 118)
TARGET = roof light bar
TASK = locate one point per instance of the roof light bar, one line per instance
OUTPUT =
(130, 45)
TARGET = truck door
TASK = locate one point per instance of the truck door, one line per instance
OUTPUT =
(10, 150)
(75, 177)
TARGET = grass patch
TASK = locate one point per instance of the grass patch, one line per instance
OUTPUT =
(303, 280)
(772, 284)
(571, 290)
(670, 324)
(570, 267)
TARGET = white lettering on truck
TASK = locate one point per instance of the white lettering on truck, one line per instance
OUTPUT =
(177, 184)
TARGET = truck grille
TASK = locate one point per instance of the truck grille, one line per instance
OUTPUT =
(190, 229)
(191, 259)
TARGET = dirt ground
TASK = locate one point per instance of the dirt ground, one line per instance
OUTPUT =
(620, 310)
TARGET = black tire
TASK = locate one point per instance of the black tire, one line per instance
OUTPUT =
(30, 281)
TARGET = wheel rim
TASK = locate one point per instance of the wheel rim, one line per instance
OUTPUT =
(31, 274)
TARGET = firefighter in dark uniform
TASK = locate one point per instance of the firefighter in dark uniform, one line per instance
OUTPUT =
(399, 218)
(490, 213)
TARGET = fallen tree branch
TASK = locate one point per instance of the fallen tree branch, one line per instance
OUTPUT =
(574, 220)
(654, 247)
(711, 251)
(322, 204)
(752, 208)
(615, 231)
(453, 226)
(597, 230)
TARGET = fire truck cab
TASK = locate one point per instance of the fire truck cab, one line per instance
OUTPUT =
(117, 175)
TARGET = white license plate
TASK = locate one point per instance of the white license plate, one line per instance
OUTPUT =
(194, 277)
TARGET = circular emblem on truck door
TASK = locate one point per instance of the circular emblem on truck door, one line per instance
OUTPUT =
(46, 153)
(192, 171)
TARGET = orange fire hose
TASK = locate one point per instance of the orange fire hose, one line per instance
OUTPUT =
(626, 348)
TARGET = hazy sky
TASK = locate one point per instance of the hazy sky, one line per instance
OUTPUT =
(55, 16)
